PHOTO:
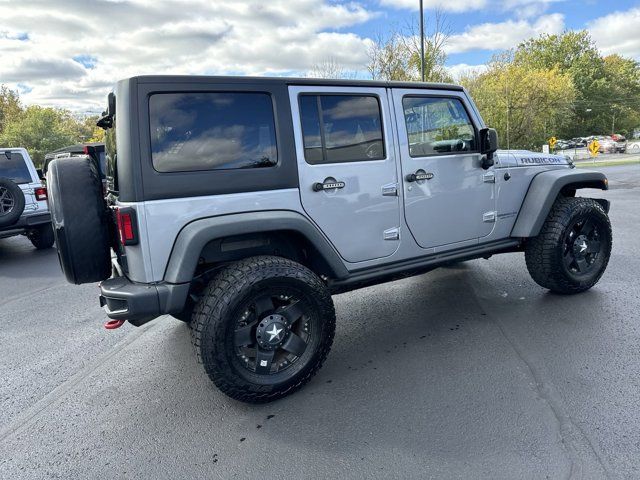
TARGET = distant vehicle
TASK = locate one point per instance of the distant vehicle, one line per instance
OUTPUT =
(565, 144)
(607, 144)
(93, 150)
(23, 199)
(580, 142)
(633, 146)
(621, 143)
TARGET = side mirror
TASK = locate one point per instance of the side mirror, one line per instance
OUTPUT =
(488, 146)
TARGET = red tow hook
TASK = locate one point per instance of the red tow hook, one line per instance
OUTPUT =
(113, 324)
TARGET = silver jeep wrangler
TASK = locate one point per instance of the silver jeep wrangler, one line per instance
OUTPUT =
(240, 205)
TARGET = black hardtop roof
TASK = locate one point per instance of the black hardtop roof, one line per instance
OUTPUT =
(291, 81)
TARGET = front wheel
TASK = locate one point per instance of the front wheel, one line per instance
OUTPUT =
(263, 328)
(572, 250)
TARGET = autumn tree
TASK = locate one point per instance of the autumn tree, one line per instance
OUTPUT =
(526, 105)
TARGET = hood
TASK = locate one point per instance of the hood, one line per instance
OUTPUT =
(525, 158)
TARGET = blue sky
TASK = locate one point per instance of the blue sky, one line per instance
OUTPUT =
(577, 15)
(69, 53)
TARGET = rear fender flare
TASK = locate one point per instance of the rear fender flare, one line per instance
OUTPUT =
(195, 235)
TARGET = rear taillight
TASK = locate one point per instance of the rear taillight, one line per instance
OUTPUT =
(85, 150)
(40, 193)
(127, 229)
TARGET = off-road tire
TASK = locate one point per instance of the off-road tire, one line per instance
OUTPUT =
(41, 237)
(544, 253)
(80, 219)
(213, 324)
(13, 191)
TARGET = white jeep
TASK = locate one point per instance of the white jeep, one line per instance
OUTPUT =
(23, 199)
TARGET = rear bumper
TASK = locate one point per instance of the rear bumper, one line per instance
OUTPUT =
(24, 223)
(139, 303)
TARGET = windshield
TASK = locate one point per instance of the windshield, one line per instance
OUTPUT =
(14, 168)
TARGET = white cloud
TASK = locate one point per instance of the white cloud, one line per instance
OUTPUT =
(528, 8)
(461, 69)
(504, 35)
(618, 32)
(132, 37)
(446, 5)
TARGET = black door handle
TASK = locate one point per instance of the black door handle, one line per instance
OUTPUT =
(419, 175)
(319, 187)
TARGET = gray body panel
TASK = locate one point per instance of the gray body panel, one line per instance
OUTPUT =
(447, 209)
(356, 216)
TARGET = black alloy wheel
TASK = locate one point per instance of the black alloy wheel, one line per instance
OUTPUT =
(582, 246)
(263, 327)
(273, 332)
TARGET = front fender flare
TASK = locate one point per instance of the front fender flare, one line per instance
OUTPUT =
(543, 191)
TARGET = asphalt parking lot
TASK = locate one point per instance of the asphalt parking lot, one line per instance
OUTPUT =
(471, 371)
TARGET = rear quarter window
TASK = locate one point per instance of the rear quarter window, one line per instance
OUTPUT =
(195, 131)
(14, 168)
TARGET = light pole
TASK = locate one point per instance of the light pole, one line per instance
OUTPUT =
(421, 40)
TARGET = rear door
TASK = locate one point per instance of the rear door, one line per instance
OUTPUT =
(347, 167)
(449, 198)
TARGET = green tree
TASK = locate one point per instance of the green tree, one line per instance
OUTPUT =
(619, 108)
(10, 107)
(40, 130)
(526, 105)
(572, 53)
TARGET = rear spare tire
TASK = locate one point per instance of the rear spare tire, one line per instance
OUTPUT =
(11, 202)
(79, 217)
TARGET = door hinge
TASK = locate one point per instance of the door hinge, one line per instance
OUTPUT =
(392, 234)
(489, 177)
(489, 217)
(390, 190)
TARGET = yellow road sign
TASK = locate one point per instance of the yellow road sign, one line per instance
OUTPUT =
(594, 148)
(553, 141)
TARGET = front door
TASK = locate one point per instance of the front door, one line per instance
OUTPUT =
(449, 198)
(347, 167)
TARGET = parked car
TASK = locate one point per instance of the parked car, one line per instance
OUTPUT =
(634, 146)
(621, 143)
(93, 150)
(23, 199)
(240, 205)
(607, 145)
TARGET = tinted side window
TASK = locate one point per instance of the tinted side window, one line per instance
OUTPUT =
(341, 128)
(14, 168)
(437, 126)
(211, 131)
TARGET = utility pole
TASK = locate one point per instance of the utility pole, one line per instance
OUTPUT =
(422, 40)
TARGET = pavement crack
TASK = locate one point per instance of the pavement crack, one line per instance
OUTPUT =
(576, 444)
